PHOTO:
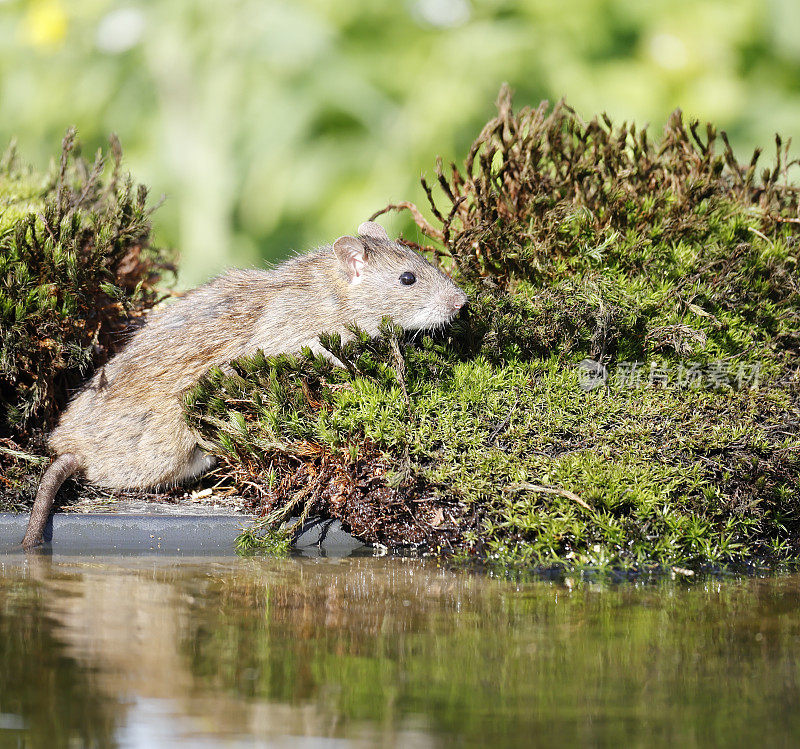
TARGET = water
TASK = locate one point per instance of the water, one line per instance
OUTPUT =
(207, 652)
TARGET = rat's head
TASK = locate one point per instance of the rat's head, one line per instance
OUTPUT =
(385, 278)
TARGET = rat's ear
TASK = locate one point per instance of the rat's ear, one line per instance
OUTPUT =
(352, 254)
(371, 229)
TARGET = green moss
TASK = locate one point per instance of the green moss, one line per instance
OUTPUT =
(270, 540)
(672, 266)
(513, 454)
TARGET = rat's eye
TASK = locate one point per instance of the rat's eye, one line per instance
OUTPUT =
(407, 278)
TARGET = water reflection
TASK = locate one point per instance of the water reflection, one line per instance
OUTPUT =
(149, 652)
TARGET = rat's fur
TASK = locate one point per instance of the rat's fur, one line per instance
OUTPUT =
(126, 428)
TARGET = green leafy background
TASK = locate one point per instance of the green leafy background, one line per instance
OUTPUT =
(273, 126)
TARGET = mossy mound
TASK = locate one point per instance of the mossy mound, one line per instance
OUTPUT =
(77, 272)
(625, 389)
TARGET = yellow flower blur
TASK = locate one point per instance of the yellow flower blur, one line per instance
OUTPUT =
(45, 24)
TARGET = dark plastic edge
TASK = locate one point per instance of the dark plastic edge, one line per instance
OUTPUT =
(184, 535)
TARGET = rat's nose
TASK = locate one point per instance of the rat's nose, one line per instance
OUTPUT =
(457, 301)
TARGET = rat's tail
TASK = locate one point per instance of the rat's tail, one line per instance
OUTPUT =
(61, 469)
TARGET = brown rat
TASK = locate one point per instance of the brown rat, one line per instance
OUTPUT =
(126, 428)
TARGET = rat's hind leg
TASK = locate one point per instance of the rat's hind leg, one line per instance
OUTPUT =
(198, 464)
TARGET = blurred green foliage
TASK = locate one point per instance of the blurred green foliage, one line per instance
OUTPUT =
(275, 125)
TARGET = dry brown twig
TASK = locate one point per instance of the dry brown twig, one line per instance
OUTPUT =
(526, 486)
(419, 219)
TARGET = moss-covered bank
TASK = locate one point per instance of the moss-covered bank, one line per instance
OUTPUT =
(624, 391)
